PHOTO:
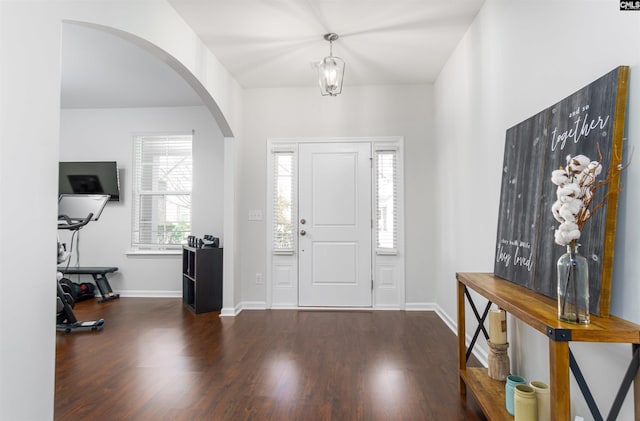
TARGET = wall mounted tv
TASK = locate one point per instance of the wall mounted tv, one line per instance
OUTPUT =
(98, 177)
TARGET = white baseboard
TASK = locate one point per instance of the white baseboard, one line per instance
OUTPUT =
(446, 319)
(150, 294)
(420, 306)
(230, 312)
(253, 305)
(284, 307)
(386, 307)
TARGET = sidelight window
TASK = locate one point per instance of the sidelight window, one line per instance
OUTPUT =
(386, 199)
(283, 169)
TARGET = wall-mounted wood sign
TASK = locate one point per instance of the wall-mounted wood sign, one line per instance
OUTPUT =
(589, 120)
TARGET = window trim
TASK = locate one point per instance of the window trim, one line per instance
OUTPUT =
(154, 248)
(379, 148)
(272, 171)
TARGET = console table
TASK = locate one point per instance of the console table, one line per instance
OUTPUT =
(540, 312)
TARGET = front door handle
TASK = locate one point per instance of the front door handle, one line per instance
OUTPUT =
(303, 232)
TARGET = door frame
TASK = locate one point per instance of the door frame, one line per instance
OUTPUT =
(388, 268)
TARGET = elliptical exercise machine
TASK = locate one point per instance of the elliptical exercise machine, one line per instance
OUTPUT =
(69, 207)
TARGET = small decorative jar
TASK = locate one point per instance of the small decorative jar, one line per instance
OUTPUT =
(512, 381)
(524, 403)
(543, 399)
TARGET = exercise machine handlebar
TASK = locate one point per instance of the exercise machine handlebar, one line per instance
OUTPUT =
(70, 225)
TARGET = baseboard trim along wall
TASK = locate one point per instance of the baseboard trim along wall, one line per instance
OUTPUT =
(231, 312)
(150, 294)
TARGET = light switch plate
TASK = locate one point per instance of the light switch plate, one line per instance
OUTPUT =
(255, 215)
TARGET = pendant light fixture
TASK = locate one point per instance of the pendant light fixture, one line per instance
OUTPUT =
(331, 70)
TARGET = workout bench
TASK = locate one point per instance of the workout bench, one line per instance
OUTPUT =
(99, 276)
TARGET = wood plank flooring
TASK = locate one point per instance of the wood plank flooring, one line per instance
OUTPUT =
(156, 360)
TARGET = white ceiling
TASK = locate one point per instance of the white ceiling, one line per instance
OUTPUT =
(268, 44)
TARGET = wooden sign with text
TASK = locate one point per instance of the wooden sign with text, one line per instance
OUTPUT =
(588, 121)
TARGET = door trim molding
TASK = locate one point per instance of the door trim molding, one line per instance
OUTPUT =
(283, 291)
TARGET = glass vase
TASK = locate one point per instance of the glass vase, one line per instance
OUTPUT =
(573, 286)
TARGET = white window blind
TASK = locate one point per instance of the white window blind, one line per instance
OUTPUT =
(162, 183)
(283, 167)
(386, 198)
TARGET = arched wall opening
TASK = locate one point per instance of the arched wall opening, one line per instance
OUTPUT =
(30, 44)
(214, 165)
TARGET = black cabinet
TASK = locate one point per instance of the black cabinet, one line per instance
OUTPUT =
(202, 278)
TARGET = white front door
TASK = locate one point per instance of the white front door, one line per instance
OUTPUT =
(334, 224)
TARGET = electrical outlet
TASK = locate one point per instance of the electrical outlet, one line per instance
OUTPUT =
(579, 418)
(259, 279)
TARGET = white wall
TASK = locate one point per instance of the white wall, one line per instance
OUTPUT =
(107, 135)
(357, 112)
(30, 45)
(518, 58)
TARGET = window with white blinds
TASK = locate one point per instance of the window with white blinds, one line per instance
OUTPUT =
(386, 199)
(283, 169)
(162, 180)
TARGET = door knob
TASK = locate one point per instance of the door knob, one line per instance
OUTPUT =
(303, 232)
(303, 221)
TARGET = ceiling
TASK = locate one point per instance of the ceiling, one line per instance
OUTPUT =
(270, 44)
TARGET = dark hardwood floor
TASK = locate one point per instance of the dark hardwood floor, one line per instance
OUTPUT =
(156, 360)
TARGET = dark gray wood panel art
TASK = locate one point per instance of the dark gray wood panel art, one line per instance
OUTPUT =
(589, 120)
(522, 180)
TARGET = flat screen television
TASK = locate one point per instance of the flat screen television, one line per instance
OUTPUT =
(96, 177)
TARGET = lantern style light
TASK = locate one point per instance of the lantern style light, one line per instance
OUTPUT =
(331, 70)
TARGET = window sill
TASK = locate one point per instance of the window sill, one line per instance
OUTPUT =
(176, 252)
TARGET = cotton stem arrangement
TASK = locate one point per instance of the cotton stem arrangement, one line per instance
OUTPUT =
(576, 185)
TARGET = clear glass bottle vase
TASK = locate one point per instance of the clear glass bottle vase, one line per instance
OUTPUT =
(573, 286)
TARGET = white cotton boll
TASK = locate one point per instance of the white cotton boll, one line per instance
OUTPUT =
(572, 235)
(566, 233)
(568, 192)
(569, 226)
(598, 170)
(555, 210)
(594, 168)
(580, 162)
(565, 198)
(559, 177)
(558, 238)
(566, 214)
(574, 205)
(563, 235)
(574, 186)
